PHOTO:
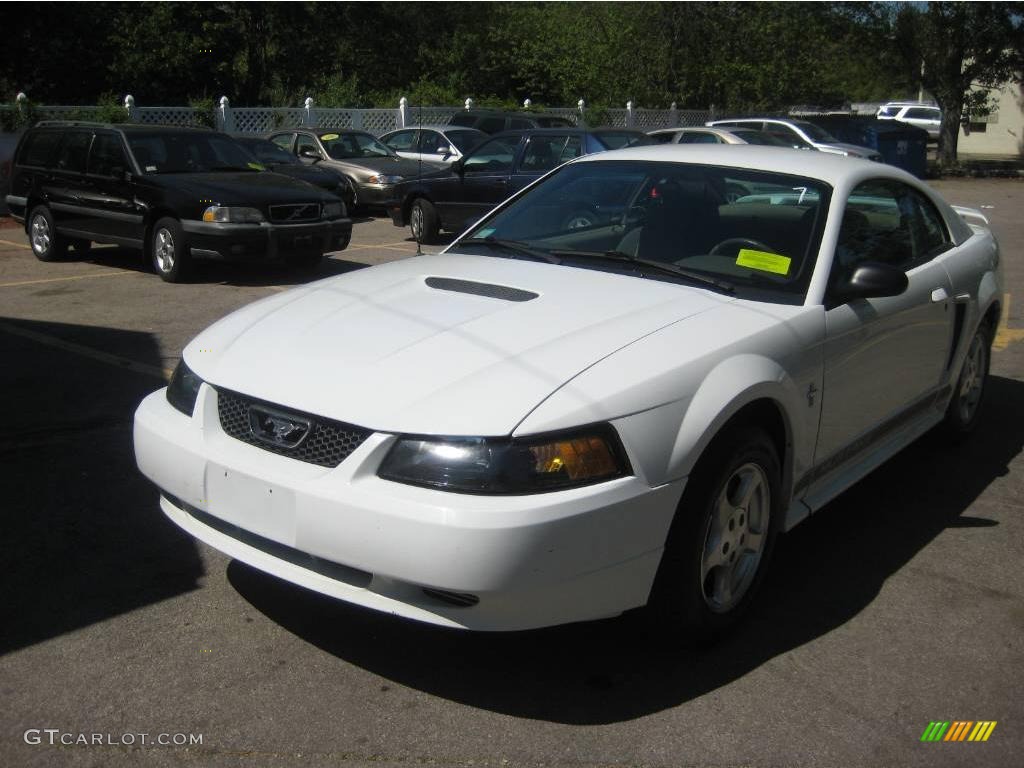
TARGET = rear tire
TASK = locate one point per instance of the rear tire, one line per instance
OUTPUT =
(46, 244)
(169, 251)
(423, 221)
(721, 540)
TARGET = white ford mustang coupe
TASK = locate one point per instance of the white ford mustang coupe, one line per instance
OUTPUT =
(551, 423)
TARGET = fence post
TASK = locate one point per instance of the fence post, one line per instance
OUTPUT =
(225, 120)
(581, 106)
(527, 104)
(629, 114)
(403, 112)
(469, 103)
(309, 116)
(673, 115)
(129, 105)
(21, 100)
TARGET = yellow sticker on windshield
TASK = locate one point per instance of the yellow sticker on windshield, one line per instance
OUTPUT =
(764, 262)
(256, 166)
(329, 137)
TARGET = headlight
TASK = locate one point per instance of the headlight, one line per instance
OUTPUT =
(334, 210)
(183, 389)
(232, 215)
(384, 179)
(503, 466)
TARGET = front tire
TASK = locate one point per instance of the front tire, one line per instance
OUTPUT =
(965, 405)
(722, 538)
(47, 245)
(423, 221)
(169, 251)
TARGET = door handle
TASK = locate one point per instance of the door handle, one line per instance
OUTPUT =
(939, 294)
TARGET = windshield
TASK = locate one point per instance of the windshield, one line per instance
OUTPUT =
(755, 231)
(817, 134)
(758, 137)
(613, 140)
(268, 152)
(349, 146)
(188, 152)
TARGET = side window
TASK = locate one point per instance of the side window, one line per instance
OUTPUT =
(887, 222)
(429, 142)
(546, 152)
(667, 138)
(402, 141)
(698, 138)
(284, 141)
(306, 142)
(493, 156)
(519, 124)
(39, 148)
(106, 155)
(73, 151)
(492, 124)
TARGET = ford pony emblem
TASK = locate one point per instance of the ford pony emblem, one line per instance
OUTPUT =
(276, 428)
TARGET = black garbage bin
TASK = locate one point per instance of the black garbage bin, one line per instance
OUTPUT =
(902, 145)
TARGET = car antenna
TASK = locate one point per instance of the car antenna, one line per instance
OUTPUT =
(419, 169)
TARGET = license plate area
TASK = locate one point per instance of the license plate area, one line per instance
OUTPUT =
(251, 503)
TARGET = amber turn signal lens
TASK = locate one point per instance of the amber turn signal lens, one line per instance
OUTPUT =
(582, 458)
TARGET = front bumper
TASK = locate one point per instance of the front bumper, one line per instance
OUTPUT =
(376, 195)
(519, 562)
(266, 241)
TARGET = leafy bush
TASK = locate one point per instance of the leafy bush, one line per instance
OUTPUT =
(204, 112)
(15, 118)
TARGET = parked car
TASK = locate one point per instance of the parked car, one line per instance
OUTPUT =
(715, 136)
(899, 144)
(800, 134)
(453, 198)
(176, 193)
(371, 168)
(918, 115)
(8, 143)
(433, 144)
(274, 158)
(495, 121)
(544, 425)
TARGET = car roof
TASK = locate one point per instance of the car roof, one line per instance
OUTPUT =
(830, 168)
(127, 127)
(433, 127)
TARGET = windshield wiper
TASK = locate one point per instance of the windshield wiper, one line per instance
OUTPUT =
(656, 266)
(515, 246)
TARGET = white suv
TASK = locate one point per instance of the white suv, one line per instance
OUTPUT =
(919, 115)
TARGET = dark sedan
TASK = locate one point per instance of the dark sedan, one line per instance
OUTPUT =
(276, 159)
(453, 198)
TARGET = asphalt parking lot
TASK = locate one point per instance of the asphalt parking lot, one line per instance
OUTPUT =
(900, 604)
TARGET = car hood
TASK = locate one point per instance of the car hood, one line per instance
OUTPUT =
(225, 188)
(448, 344)
(392, 166)
(308, 173)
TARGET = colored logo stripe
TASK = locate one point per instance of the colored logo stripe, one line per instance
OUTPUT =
(958, 730)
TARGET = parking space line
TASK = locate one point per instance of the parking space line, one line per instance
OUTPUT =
(110, 273)
(16, 245)
(1005, 335)
(117, 361)
(370, 247)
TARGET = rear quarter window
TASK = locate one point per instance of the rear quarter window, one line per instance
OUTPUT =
(39, 148)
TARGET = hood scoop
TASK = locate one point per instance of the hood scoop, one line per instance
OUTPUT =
(491, 291)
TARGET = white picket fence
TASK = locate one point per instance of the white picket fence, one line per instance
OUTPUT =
(260, 120)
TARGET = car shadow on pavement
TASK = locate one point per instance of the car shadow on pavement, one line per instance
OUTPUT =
(825, 572)
(81, 537)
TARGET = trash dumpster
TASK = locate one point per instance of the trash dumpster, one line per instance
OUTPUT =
(902, 145)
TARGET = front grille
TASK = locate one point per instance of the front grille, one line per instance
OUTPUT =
(328, 444)
(293, 214)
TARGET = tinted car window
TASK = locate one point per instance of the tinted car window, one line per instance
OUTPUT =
(284, 141)
(73, 151)
(187, 152)
(519, 124)
(546, 152)
(463, 119)
(494, 155)
(306, 142)
(39, 148)
(698, 138)
(663, 138)
(107, 154)
(492, 124)
(464, 140)
(349, 146)
(430, 141)
(613, 140)
(918, 113)
(268, 152)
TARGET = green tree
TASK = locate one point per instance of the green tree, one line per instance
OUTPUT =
(962, 49)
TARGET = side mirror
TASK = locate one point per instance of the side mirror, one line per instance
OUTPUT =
(444, 151)
(871, 280)
(311, 154)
